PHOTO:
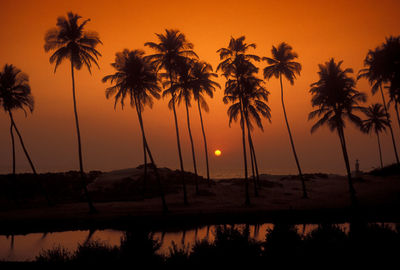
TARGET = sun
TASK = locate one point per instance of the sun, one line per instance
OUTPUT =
(217, 152)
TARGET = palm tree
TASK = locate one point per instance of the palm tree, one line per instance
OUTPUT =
(182, 91)
(254, 103)
(202, 83)
(69, 41)
(170, 51)
(376, 121)
(336, 99)
(235, 66)
(136, 78)
(282, 64)
(15, 93)
(391, 50)
(376, 72)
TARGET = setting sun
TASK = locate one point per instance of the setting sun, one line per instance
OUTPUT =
(217, 152)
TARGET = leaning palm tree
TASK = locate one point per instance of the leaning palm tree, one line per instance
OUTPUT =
(136, 78)
(15, 93)
(236, 64)
(376, 121)
(254, 104)
(202, 84)
(171, 50)
(69, 41)
(282, 64)
(377, 74)
(182, 91)
(336, 99)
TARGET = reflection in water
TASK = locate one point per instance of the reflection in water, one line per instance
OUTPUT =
(27, 247)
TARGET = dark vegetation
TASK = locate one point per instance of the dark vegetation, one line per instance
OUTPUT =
(232, 245)
(393, 169)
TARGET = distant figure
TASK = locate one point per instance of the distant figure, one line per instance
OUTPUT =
(357, 166)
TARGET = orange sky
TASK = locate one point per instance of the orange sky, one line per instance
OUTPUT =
(317, 30)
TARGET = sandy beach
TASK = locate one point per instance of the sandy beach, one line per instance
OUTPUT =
(223, 202)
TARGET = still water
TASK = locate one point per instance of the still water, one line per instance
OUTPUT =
(27, 247)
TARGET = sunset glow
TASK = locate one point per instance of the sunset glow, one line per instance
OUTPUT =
(317, 30)
(217, 152)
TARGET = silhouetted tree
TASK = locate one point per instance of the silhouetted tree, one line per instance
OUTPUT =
(171, 50)
(182, 91)
(136, 78)
(195, 79)
(377, 72)
(236, 65)
(376, 121)
(282, 64)
(15, 93)
(71, 42)
(252, 97)
(391, 50)
(202, 83)
(336, 98)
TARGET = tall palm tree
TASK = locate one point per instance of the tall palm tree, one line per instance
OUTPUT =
(202, 75)
(70, 41)
(170, 52)
(337, 99)
(377, 74)
(15, 93)
(394, 92)
(136, 78)
(254, 104)
(236, 65)
(195, 78)
(282, 64)
(391, 49)
(376, 121)
(182, 91)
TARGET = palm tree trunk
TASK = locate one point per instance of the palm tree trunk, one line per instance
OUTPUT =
(292, 143)
(192, 145)
(92, 209)
(39, 183)
(397, 112)
(246, 181)
(185, 200)
(205, 142)
(379, 147)
(251, 155)
(161, 190)
(253, 151)
(145, 168)
(22, 143)
(13, 147)
(390, 126)
(352, 191)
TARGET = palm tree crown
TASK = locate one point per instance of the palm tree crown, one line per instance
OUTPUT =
(15, 92)
(234, 54)
(282, 63)
(252, 96)
(202, 74)
(376, 119)
(135, 77)
(70, 41)
(335, 96)
(171, 50)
